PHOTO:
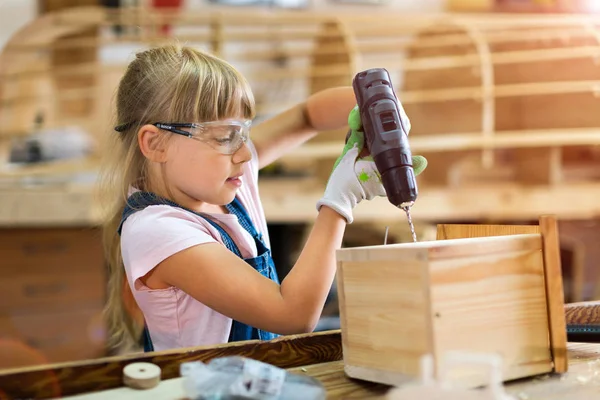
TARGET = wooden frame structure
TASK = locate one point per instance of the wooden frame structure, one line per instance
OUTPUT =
(504, 108)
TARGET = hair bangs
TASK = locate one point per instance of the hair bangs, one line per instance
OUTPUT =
(238, 100)
(210, 89)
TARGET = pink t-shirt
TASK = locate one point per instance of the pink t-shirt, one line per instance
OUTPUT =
(174, 318)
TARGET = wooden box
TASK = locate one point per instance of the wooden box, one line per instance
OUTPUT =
(498, 294)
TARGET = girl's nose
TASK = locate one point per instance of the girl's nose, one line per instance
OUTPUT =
(242, 155)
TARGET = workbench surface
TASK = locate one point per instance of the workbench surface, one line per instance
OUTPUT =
(582, 382)
(318, 355)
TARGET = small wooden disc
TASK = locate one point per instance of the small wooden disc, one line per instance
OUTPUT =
(141, 375)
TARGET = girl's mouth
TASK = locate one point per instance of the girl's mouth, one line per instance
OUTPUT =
(235, 180)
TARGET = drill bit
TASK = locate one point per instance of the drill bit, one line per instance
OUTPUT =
(387, 228)
(410, 223)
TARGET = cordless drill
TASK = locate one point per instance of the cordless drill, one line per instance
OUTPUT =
(386, 136)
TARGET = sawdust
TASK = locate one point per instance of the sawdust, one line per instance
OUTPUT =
(591, 376)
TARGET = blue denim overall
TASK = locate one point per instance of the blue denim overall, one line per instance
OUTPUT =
(263, 262)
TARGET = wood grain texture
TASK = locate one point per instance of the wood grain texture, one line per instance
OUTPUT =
(48, 381)
(342, 306)
(339, 385)
(330, 374)
(554, 292)
(458, 231)
(552, 271)
(575, 313)
(436, 249)
(582, 313)
(493, 302)
(405, 300)
(386, 320)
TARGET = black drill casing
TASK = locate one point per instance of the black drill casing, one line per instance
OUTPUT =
(386, 136)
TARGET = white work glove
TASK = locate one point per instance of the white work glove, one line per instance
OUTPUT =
(355, 178)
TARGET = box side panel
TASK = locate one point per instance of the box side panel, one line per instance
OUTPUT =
(482, 246)
(457, 231)
(554, 293)
(458, 247)
(342, 306)
(404, 252)
(494, 303)
(387, 318)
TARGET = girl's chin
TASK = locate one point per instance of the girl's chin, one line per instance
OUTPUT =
(229, 195)
(223, 197)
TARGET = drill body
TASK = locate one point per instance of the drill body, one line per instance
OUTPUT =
(386, 135)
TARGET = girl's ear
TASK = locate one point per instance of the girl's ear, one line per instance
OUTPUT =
(152, 143)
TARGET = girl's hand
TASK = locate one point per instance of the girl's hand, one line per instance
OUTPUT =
(355, 178)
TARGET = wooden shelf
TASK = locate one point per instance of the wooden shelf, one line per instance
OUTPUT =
(291, 200)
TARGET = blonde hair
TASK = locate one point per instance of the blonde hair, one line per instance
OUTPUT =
(171, 83)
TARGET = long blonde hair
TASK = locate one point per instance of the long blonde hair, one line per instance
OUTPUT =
(171, 83)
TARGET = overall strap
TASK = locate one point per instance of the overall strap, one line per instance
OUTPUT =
(236, 208)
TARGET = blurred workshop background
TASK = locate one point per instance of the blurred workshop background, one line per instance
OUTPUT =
(503, 96)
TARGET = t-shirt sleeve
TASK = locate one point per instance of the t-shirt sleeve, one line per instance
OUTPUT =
(152, 235)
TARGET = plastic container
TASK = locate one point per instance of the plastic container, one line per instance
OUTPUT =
(244, 378)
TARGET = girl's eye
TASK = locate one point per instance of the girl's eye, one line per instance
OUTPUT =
(227, 136)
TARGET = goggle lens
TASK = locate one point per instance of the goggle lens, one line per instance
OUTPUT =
(226, 138)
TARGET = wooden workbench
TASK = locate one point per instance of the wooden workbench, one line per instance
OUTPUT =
(318, 355)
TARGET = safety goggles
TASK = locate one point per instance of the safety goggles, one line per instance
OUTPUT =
(227, 136)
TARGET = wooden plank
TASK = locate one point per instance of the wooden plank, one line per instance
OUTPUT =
(574, 385)
(68, 204)
(481, 300)
(552, 272)
(554, 292)
(454, 142)
(98, 376)
(48, 381)
(331, 375)
(476, 202)
(457, 231)
(386, 321)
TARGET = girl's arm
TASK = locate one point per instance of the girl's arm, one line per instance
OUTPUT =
(217, 278)
(324, 110)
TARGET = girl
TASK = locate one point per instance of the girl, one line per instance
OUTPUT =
(186, 236)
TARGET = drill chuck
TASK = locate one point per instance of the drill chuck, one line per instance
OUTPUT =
(399, 184)
(397, 176)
